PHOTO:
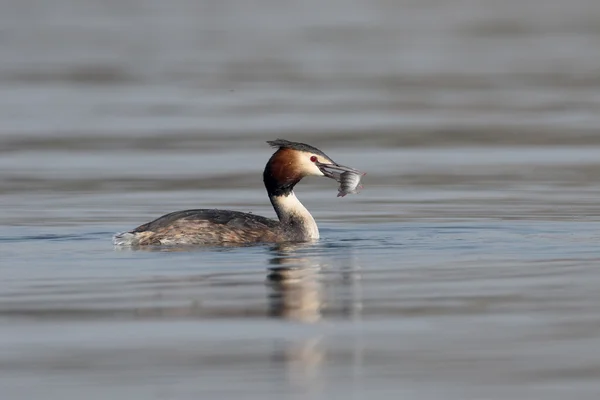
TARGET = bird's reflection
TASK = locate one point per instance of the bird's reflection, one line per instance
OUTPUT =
(296, 291)
(305, 283)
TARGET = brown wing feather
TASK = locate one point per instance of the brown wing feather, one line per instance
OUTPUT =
(207, 226)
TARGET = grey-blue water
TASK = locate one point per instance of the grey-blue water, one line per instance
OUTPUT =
(467, 268)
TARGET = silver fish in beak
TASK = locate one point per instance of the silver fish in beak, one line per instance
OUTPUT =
(349, 183)
(349, 178)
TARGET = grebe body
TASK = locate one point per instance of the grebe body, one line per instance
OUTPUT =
(287, 166)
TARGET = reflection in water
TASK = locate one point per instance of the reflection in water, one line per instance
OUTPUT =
(297, 293)
(304, 285)
(296, 290)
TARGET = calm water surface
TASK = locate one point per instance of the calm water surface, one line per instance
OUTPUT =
(466, 269)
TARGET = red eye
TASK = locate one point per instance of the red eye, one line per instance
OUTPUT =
(313, 158)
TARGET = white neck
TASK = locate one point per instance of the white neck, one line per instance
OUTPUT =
(295, 216)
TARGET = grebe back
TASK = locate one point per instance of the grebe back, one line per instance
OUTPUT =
(287, 166)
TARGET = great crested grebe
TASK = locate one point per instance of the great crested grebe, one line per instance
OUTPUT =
(287, 166)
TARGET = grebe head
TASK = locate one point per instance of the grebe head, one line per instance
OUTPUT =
(292, 162)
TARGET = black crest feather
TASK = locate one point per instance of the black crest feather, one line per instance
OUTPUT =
(286, 144)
